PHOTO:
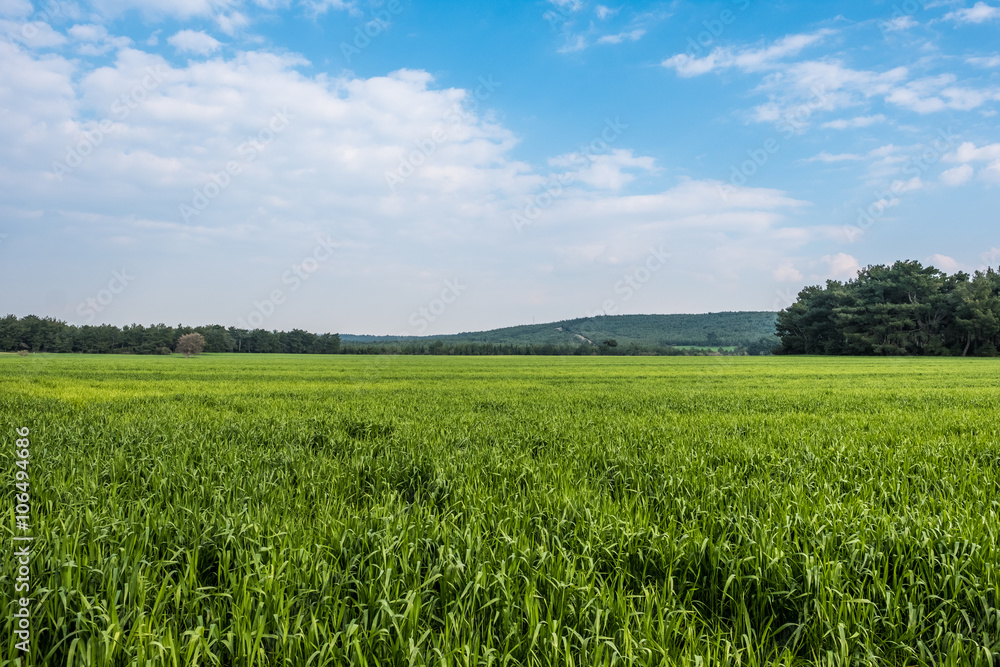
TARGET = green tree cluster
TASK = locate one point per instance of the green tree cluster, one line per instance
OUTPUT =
(38, 334)
(902, 309)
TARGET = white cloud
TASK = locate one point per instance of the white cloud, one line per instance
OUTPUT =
(957, 175)
(232, 23)
(90, 32)
(899, 23)
(588, 254)
(748, 60)
(33, 34)
(978, 13)
(804, 89)
(991, 61)
(16, 9)
(576, 43)
(228, 14)
(603, 13)
(43, 85)
(568, 5)
(989, 258)
(991, 172)
(579, 30)
(887, 163)
(326, 172)
(198, 42)
(631, 36)
(900, 186)
(94, 39)
(271, 5)
(787, 273)
(689, 66)
(885, 151)
(798, 91)
(755, 60)
(840, 157)
(967, 152)
(607, 171)
(937, 93)
(829, 77)
(156, 9)
(854, 123)
(319, 7)
(943, 262)
(841, 266)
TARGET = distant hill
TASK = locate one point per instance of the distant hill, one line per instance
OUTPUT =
(712, 329)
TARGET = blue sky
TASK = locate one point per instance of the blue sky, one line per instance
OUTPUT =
(401, 167)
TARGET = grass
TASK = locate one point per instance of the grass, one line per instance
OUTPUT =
(300, 510)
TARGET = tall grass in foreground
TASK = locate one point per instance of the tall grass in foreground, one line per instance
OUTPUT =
(228, 510)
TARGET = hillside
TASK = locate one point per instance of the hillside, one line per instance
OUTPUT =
(730, 328)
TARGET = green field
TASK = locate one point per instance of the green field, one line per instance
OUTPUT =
(336, 510)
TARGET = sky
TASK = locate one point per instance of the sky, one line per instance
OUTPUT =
(411, 168)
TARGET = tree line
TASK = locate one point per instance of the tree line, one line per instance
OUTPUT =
(902, 309)
(38, 334)
(609, 347)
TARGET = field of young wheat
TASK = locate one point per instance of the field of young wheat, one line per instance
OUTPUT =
(332, 510)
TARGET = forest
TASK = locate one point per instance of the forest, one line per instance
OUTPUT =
(899, 309)
(38, 334)
(625, 335)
